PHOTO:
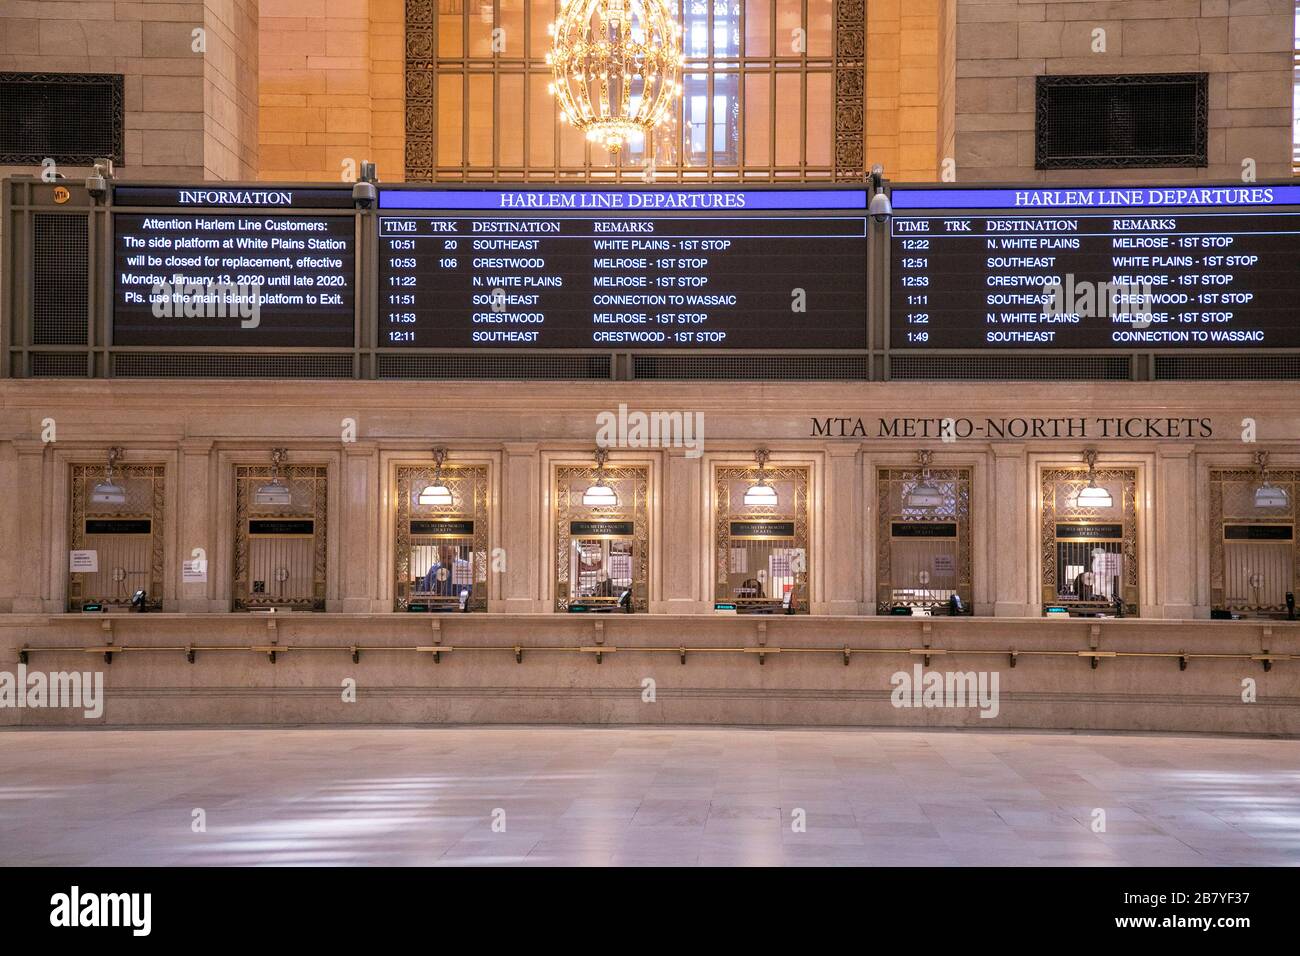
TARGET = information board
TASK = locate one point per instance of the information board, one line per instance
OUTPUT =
(623, 268)
(1145, 268)
(236, 276)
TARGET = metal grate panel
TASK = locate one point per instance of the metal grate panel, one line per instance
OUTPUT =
(460, 365)
(60, 279)
(1119, 122)
(198, 365)
(71, 118)
(1227, 366)
(1009, 367)
(774, 367)
(60, 365)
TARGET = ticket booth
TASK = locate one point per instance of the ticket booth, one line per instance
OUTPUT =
(1088, 534)
(441, 537)
(280, 526)
(761, 537)
(115, 538)
(923, 539)
(602, 559)
(1253, 546)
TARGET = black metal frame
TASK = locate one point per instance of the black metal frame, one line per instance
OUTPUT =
(1045, 85)
(116, 84)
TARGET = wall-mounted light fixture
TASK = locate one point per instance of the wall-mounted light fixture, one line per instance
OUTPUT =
(108, 492)
(436, 492)
(274, 494)
(600, 494)
(1268, 495)
(1093, 496)
(761, 494)
(925, 493)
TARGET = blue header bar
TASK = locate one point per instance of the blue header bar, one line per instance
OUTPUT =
(622, 200)
(1112, 197)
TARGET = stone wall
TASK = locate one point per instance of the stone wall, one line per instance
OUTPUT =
(332, 89)
(492, 668)
(189, 115)
(1244, 45)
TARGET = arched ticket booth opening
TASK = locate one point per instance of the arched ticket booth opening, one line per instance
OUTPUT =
(1088, 537)
(280, 527)
(1254, 552)
(923, 539)
(602, 537)
(441, 536)
(115, 535)
(761, 537)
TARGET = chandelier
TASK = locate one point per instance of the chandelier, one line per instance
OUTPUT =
(615, 66)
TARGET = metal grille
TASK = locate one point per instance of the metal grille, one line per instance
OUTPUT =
(60, 280)
(71, 118)
(1117, 122)
(1009, 367)
(777, 367)
(60, 365)
(1227, 366)
(459, 365)
(192, 365)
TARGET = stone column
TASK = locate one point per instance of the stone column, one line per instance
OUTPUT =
(195, 525)
(685, 540)
(845, 534)
(359, 497)
(520, 513)
(1175, 555)
(1007, 559)
(32, 542)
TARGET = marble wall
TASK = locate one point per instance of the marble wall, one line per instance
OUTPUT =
(1244, 45)
(1170, 433)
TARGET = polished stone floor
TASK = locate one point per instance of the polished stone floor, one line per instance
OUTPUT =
(671, 796)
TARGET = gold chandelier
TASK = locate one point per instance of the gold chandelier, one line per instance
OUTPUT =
(615, 66)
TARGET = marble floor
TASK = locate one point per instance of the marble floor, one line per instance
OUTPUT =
(642, 796)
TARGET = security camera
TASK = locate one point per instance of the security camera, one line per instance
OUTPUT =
(97, 182)
(363, 194)
(881, 208)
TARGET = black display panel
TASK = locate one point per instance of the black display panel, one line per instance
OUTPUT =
(623, 268)
(242, 278)
(1141, 268)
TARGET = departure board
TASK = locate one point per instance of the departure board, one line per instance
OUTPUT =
(623, 268)
(218, 266)
(1095, 268)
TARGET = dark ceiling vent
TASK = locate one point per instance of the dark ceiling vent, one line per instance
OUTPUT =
(1121, 122)
(71, 118)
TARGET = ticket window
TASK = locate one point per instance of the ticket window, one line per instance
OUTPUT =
(441, 537)
(280, 528)
(1089, 540)
(602, 560)
(762, 538)
(116, 536)
(923, 558)
(1254, 558)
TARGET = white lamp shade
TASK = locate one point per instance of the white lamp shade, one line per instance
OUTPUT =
(272, 494)
(107, 493)
(1094, 497)
(925, 495)
(599, 496)
(761, 495)
(1270, 496)
(437, 494)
